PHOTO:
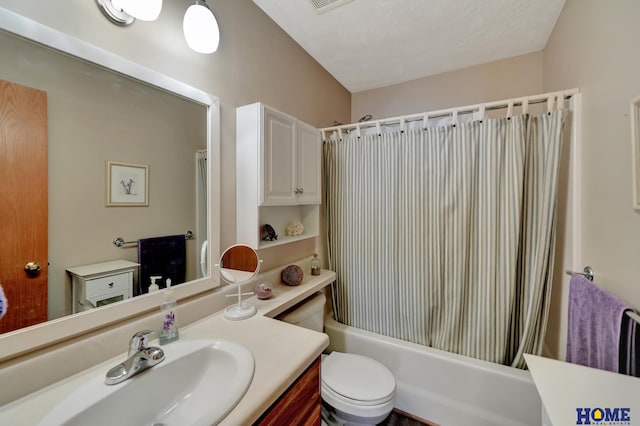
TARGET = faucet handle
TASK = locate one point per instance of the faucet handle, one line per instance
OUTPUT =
(139, 341)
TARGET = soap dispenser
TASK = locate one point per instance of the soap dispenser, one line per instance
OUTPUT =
(154, 286)
(169, 331)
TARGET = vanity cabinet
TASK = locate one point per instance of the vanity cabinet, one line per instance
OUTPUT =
(101, 283)
(278, 176)
(300, 405)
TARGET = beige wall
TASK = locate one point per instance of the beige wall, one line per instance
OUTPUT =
(256, 61)
(594, 47)
(508, 78)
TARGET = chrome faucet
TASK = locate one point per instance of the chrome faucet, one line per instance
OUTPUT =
(140, 358)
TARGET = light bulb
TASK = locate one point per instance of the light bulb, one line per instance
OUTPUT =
(145, 10)
(201, 28)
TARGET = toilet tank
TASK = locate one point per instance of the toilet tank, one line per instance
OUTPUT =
(308, 314)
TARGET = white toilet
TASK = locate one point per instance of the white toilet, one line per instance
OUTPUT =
(355, 389)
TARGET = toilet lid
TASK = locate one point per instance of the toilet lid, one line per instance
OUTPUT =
(357, 377)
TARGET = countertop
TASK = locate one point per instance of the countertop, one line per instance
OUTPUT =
(569, 390)
(281, 352)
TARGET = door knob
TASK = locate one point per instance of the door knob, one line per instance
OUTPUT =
(32, 268)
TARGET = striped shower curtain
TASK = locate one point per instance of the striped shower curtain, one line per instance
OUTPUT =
(445, 236)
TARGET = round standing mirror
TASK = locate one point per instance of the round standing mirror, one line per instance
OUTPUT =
(239, 264)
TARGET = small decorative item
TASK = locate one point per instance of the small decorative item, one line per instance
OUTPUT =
(292, 275)
(263, 290)
(127, 184)
(295, 228)
(315, 265)
(270, 233)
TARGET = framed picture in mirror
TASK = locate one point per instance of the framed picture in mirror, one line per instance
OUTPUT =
(127, 184)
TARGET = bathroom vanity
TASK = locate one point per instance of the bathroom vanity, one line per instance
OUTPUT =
(286, 360)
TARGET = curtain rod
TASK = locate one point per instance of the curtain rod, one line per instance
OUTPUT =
(550, 98)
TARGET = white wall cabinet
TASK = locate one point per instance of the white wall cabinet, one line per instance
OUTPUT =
(278, 181)
(289, 152)
(101, 283)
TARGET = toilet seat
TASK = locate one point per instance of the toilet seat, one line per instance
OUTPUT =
(356, 380)
(330, 395)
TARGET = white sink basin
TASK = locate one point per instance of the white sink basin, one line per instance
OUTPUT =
(198, 383)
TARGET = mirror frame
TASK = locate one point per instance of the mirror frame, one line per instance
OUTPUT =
(18, 342)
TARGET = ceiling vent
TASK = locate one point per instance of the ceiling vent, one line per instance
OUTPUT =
(321, 6)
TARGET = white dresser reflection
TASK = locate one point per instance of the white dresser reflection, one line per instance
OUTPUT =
(100, 284)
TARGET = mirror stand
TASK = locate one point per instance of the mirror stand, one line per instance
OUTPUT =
(239, 264)
(240, 310)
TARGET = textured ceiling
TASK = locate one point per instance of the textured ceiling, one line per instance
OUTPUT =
(366, 44)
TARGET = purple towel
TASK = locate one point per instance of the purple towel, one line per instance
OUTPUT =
(595, 318)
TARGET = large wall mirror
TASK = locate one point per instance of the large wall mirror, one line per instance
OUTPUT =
(104, 109)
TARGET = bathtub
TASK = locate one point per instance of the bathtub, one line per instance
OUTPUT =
(446, 388)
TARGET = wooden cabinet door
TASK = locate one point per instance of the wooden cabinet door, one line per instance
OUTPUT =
(278, 148)
(308, 162)
(300, 405)
(24, 201)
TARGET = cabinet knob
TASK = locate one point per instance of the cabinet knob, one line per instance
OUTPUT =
(110, 284)
(301, 190)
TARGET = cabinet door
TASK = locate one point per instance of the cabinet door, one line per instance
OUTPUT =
(278, 181)
(309, 151)
(300, 405)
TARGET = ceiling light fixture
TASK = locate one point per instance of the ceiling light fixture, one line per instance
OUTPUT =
(201, 28)
(199, 25)
(145, 10)
(125, 12)
(115, 14)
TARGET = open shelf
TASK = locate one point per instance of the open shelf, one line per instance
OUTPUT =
(285, 240)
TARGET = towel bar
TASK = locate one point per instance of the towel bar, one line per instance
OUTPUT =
(587, 273)
(120, 242)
